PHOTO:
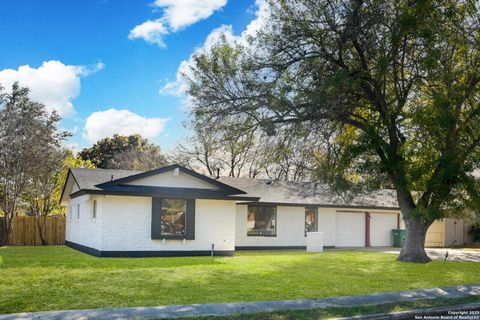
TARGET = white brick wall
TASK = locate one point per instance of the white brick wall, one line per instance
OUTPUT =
(86, 230)
(126, 226)
(291, 224)
(290, 228)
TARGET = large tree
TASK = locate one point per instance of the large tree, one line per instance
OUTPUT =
(395, 84)
(43, 193)
(124, 152)
(28, 133)
(40, 195)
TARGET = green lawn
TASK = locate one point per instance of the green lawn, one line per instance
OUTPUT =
(49, 278)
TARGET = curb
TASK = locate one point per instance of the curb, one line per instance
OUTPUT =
(222, 309)
(451, 311)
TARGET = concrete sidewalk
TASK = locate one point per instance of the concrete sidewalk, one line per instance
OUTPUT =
(176, 311)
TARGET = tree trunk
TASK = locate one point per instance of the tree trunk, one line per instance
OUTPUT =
(414, 247)
(5, 230)
(42, 229)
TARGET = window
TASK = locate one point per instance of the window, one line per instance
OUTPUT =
(262, 221)
(94, 209)
(311, 220)
(173, 217)
(78, 211)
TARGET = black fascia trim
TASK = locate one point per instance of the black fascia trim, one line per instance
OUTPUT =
(335, 206)
(184, 195)
(169, 168)
(148, 254)
(246, 248)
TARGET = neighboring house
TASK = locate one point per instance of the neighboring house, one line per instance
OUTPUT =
(174, 211)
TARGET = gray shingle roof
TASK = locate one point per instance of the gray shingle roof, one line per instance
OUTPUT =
(89, 178)
(303, 193)
(286, 192)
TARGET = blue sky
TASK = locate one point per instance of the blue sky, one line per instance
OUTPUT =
(86, 57)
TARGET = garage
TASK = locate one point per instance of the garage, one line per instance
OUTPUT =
(350, 229)
(381, 225)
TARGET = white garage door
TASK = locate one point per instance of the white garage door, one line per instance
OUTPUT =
(350, 229)
(381, 225)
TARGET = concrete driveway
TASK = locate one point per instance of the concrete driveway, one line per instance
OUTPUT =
(456, 254)
(471, 255)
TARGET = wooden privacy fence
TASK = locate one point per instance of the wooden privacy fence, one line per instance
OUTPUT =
(25, 231)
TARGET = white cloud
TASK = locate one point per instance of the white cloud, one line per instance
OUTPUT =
(182, 13)
(178, 87)
(150, 31)
(74, 147)
(53, 83)
(176, 15)
(103, 124)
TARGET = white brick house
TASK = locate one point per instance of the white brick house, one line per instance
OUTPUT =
(174, 211)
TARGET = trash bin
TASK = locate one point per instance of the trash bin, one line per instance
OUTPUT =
(398, 237)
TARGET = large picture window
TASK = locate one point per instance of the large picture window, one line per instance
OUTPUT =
(173, 217)
(311, 220)
(262, 221)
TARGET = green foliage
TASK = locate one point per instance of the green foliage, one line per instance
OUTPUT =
(29, 148)
(389, 89)
(56, 277)
(124, 152)
(475, 232)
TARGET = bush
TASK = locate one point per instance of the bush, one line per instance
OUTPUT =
(475, 232)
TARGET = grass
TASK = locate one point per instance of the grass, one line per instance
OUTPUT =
(347, 312)
(54, 278)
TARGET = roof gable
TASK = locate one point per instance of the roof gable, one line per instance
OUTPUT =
(174, 176)
(70, 186)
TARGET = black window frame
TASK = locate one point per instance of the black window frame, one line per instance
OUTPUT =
(276, 220)
(316, 218)
(156, 232)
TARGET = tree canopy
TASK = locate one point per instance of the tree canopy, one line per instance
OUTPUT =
(389, 89)
(124, 152)
(29, 148)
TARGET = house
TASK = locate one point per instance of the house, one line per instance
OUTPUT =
(174, 211)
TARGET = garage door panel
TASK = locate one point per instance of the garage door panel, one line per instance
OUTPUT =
(381, 225)
(350, 229)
